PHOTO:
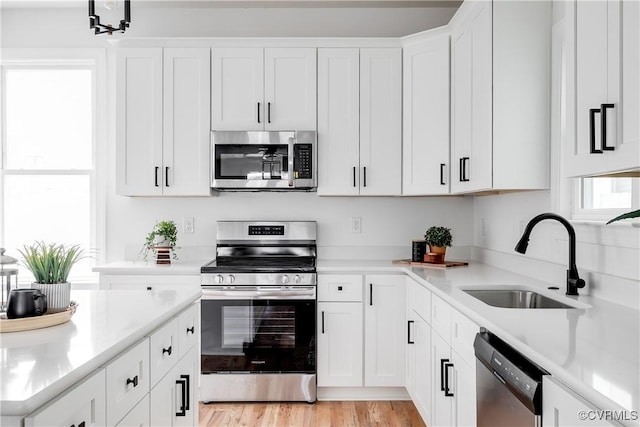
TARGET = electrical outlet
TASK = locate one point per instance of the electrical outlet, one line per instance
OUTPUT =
(189, 224)
(356, 224)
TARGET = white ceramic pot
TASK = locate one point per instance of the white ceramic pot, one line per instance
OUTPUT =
(58, 295)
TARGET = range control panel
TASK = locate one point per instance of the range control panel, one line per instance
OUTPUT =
(266, 230)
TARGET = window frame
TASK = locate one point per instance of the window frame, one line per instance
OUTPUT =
(95, 61)
(579, 213)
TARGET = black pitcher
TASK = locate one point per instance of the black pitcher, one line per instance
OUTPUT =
(26, 302)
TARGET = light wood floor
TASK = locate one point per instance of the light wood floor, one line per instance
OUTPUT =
(334, 414)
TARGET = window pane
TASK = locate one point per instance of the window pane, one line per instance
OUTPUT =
(48, 119)
(606, 193)
(54, 209)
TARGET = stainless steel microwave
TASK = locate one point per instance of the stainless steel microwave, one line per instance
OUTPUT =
(265, 161)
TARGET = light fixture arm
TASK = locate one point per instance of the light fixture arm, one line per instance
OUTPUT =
(94, 20)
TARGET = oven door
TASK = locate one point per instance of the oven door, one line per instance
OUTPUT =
(253, 329)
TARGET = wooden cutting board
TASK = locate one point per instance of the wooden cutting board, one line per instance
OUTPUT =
(447, 264)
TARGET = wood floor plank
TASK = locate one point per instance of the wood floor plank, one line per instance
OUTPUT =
(320, 414)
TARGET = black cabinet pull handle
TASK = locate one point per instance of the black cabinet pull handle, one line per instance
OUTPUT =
(370, 293)
(268, 112)
(323, 322)
(603, 126)
(463, 167)
(447, 390)
(592, 130)
(133, 381)
(354, 176)
(258, 112)
(191, 329)
(156, 176)
(149, 288)
(166, 176)
(460, 167)
(409, 332)
(183, 409)
(167, 350)
(442, 362)
(442, 174)
(187, 387)
(365, 176)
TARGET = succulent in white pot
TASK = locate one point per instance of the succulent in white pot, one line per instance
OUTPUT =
(50, 265)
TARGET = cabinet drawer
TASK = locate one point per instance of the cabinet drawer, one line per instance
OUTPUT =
(463, 332)
(188, 329)
(340, 287)
(163, 350)
(152, 282)
(127, 381)
(441, 317)
(84, 403)
(138, 417)
(419, 299)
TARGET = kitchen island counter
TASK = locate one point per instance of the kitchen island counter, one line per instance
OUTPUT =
(38, 365)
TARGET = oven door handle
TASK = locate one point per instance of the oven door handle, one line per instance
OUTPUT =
(258, 292)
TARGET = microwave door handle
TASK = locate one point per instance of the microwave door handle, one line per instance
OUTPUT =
(291, 150)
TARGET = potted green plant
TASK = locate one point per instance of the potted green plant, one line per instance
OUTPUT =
(164, 234)
(50, 265)
(438, 238)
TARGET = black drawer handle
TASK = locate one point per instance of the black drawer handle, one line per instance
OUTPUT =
(354, 176)
(592, 130)
(187, 387)
(447, 390)
(166, 176)
(149, 288)
(191, 330)
(464, 160)
(409, 332)
(183, 407)
(156, 176)
(323, 322)
(258, 112)
(365, 176)
(442, 362)
(133, 381)
(370, 293)
(268, 112)
(442, 165)
(167, 350)
(603, 126)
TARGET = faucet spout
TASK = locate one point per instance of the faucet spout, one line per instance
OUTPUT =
(573, 278)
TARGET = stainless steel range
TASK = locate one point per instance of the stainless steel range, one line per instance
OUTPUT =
(259, 313)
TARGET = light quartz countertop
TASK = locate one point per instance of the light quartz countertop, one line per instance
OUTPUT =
(594, 349)
(38, 365)
(177, 267)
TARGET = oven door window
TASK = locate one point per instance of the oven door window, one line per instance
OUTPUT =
(258, 336)
(252, 162)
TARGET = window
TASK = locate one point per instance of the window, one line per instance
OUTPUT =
(48, 175)
(603, 198)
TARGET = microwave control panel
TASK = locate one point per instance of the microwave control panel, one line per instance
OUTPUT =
(303, 161)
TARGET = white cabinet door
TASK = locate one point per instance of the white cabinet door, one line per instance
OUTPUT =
(339, 344)
(463, 384)
(186, 124)
(384, 316)
(149, 282)
(188, 328)
(173, 401)
(83, 404)
(425, 149)
(338, 121)
(139, 121)
(561, 406)
(380, 121)
(290, 88)
(442, 406)
(423, 381)
(138, 417)
(163, 350)
(237, 89)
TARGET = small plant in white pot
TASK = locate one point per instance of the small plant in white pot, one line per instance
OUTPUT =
(438, 238)
(164, 234)
(50, 265)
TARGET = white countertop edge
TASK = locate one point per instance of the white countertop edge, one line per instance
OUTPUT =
(25, 407)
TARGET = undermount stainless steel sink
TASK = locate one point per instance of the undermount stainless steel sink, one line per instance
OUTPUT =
(515, 298)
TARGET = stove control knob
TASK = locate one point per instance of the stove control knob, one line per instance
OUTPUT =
(219, 278)
(232, 278)
(296, 278)
(285, 279)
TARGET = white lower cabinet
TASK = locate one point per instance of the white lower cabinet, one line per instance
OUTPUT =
(84, 405)
(562, 406)
(173, 401)
(149, 282)
(138, 417)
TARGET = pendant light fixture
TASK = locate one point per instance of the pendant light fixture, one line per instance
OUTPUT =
(94, 20)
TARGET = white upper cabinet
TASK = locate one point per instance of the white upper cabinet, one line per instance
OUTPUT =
(359, 121)
(162, 98)
(500, 83)
(425, 150)
(263, 89)
(607, 89)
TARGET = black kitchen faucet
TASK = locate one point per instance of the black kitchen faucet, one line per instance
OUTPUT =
(573, 279)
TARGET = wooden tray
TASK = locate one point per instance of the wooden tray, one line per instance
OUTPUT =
(447, 264)
(38, 322)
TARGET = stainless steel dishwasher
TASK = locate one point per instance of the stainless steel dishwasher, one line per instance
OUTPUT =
(508, 385)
